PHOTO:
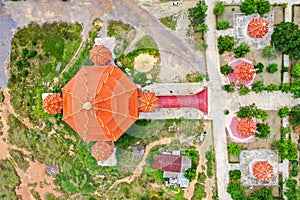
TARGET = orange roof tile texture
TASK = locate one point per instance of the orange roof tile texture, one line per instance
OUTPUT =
(263, 171)
(244, 72)
(246, 127)
(100, 55)
(53, 104)
(148, 102)
(258, 28)
(102, 150)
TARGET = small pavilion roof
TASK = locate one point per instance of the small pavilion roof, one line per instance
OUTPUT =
(100, 55)
(246, 127)
(148, 102)
(102, 150)
(258, 28)
(244, 72)
(53, 103)
(263, 171)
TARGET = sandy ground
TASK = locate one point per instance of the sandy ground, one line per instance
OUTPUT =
(144, 62)
(36, 171)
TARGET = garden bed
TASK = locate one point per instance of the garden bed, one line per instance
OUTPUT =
(296, 14)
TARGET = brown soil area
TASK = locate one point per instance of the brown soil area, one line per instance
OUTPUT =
(297, 15)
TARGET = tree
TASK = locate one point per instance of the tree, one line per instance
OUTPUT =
(229, 87)
(284, 131)
(296, 70)
(236, 190)
(234, 149)
(235, 175)
(285, 87)
(219, 8)
(284, 112)
(263, 130)
(286, 38)
(225, 43)
(263, 6)
(292, 192)
(287, 149)
(260, 114)
(261, 194)
(226, 69)
(247, 111)
(295, 115)
(190, 174)
(269, 52)
(243, 90)
(24, 52)
(260, 67)
(272, 68)
(272, 87)
(248, 7)
(258, 86)
(201, 28)
(197, 14)
(241, 50)
(223, 24)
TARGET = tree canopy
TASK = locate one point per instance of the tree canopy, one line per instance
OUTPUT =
(225, 43)
(269, 52)
(241, 50)
(234, 149)
(219, 8)
(251, 6)
(286, 38)
(263, 130)
(226, 69)
(284, 112)
(296, 70)
(287, 149)
(223, 24)
(197, 14)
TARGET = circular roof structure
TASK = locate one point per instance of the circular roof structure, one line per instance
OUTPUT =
(263, 171)
(246, 127)
(102, 150)
(100, 103)
(244, 72)
(258, 28)
(148, 102)
(100, 55)
(53, 103)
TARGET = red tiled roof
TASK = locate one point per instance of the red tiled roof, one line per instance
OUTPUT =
(258, 28)
(263, 171)
(102, 150)
(53, 104)
(148, 102)
(100, 103)
(246, 127)
(167, 162)
(100, 55)
(244, 72)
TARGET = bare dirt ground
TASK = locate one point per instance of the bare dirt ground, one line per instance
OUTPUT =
(36, 171)
(35, 174)
(144, 62)
(297, 15)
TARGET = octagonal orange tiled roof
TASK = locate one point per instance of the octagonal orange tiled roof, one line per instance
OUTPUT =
(246, 127)
(100, 55)
(148, 102)
(100, 103)
(263, 171)
(102, 150)
(258, 28)
(244, 72)
(53, 103)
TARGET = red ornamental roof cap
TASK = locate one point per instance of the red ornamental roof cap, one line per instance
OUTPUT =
(148, 102)
(53, 103)
(100, 55)
(246, 127)
(258, 28)
(263, 171)
(244, 72)
(102, 150)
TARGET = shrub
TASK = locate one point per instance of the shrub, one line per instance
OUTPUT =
(234, 149)
(190, 174)
(284, 112)
(219, 8)
(258, 86)
(284, 131)
(223, 25)
(31, 54)
(263, 6)
(269, 52)
(33, 42)
(296, 70)
(272, 68)
(19, 63)
(225, 43)
(226, 112)
(272, 87)
(226, 69)
(287, 149)
(285, 87)
(236, 190)
(235, 175)
(241, 50)
(284, 69)
(248, 7)
(264, 130)
(260, 67)
(209, 155)
(243, 90)
(24, 52)
(295, 115)
(229, 87)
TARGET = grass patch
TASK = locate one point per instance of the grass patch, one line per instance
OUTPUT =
(199, 192)
(19, 158)
(170, 21)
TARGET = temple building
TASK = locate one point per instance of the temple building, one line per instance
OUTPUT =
(101, 102)
(258, 28)
(243, 72)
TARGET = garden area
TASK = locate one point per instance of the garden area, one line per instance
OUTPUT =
(170, 21)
